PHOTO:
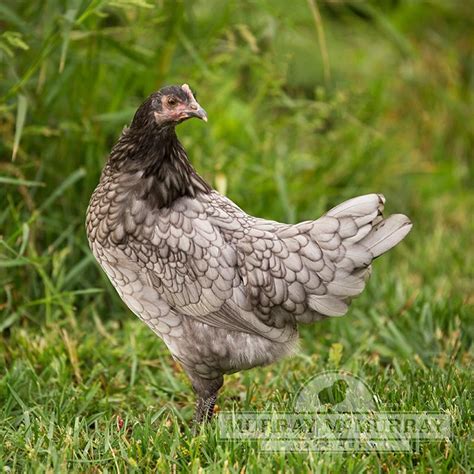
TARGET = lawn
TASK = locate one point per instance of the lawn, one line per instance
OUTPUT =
(308, 105)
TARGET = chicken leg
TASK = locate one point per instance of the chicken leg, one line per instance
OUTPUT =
(206, 391)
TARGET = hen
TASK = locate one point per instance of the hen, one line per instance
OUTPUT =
(224, 290)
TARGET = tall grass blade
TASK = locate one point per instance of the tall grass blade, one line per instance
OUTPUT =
(22, 107)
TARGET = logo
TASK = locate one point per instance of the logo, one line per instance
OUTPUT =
(336, 412)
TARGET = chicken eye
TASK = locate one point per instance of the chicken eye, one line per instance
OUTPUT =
(172, 101)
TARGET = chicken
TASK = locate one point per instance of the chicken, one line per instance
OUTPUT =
(225, 291)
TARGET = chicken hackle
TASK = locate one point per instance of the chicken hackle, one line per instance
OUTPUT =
(224, 290)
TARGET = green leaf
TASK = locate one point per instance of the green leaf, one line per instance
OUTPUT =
(335, 353)
(69, 18)
(15, 262)
(20, 122)
(19, 182)
(69, 181)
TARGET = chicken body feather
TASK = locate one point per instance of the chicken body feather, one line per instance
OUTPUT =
(205, 267)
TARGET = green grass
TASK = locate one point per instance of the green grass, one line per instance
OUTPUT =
(288, 136)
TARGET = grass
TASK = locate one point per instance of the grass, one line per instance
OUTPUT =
(84, 386)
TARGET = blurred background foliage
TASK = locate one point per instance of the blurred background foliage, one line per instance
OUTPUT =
(390, 110)
(309, 103)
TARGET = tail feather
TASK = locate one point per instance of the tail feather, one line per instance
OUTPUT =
(387, 234)
(361, 206)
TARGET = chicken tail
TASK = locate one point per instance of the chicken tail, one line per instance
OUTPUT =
(349, 245)
(376, 234)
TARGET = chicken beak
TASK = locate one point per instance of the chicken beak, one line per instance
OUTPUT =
(201, 113)
(195, 110)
